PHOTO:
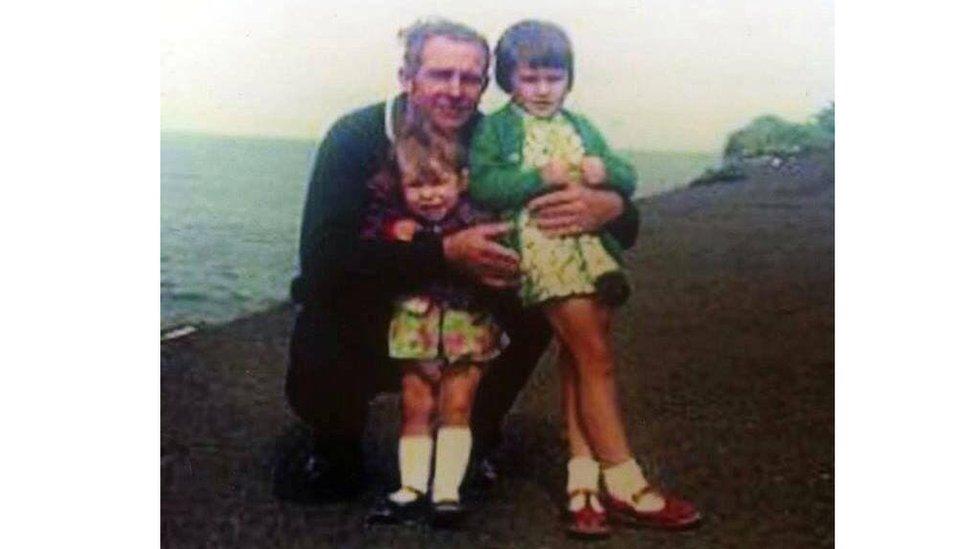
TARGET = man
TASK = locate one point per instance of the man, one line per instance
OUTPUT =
(338, 347)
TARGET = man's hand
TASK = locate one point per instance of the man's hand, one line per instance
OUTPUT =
(575, 210)
(594, 171)
(474, 251)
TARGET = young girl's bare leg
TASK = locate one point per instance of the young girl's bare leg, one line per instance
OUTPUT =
(416, 444)
(457, 390)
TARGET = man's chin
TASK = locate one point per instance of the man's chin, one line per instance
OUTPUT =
(450, 121)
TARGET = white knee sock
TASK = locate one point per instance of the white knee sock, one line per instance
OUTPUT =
(583, 473)
(626, 479)
(415, 452)
(453, 451)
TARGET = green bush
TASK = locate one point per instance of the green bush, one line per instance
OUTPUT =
(825, 118)
(770, 135)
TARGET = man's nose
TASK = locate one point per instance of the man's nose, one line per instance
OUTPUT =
(454, 86)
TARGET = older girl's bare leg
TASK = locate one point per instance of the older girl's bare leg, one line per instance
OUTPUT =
(582, 327)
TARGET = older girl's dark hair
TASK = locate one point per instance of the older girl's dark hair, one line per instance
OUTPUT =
(538, 44)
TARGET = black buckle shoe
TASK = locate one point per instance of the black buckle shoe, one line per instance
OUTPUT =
(447, 514)
(387, 511)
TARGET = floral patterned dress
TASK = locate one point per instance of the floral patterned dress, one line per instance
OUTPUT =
(555, 267)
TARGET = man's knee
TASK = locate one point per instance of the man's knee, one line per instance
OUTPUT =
(324, 385)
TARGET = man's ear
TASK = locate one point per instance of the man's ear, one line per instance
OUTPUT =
(406, 83)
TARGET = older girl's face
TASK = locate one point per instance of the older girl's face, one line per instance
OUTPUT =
(540, 91)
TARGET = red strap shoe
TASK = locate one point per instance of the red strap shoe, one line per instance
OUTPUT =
(587, 522)
(676, 514)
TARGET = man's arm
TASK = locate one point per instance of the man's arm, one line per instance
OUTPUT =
(624, 227)
(331, 250)
(581, 209)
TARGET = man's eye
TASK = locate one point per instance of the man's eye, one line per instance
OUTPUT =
(471, 79)
(443, 76)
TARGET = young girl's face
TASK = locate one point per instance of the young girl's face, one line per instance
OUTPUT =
(540, 91)
(432, 198)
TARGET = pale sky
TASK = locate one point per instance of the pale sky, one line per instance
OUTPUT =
(652, 74)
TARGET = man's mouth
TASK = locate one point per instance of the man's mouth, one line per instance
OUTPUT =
(451, 107)
(451, 111)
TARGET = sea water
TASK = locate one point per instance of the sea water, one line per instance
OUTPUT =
(231, 209)
(229, 220)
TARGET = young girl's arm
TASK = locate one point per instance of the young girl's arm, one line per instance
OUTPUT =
(621, 176)
(496, 182)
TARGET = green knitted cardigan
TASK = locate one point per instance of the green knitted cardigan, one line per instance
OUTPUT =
(498, 180)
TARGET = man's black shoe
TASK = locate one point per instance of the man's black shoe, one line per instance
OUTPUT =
(447, 514)
(482, 474)
(315, 479)
(386, 511)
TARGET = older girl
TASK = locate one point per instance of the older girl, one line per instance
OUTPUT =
(529, 147)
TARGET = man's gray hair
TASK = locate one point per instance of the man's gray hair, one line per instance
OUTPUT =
(416, 35)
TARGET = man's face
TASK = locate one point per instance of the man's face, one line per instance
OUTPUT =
(448, 83)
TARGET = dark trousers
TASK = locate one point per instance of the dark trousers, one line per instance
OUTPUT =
(339, 362)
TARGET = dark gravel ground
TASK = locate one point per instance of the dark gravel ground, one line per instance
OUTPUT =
(725, 364)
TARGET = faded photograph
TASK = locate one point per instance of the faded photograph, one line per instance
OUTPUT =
(518, 275)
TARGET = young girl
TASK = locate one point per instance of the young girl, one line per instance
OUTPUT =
(441, 334)
(531, 146)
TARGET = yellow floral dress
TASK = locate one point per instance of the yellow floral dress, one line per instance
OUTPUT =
(561, 266)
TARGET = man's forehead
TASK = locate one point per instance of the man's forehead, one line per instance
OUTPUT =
(444, 51)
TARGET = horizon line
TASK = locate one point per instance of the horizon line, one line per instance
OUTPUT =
(284, 137)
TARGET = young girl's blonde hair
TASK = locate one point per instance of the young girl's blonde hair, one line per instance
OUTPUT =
(424, 154)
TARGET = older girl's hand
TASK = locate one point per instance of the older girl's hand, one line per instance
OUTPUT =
(555, 173)
(594, 171)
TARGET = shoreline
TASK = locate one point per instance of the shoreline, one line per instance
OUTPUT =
(196, 326)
